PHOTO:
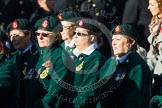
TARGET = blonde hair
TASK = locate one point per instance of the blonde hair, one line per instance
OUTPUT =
(159, 6)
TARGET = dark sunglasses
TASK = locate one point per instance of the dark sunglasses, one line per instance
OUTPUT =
(80, 34)
(42, 34)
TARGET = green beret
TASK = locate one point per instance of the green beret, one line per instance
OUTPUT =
(22, 23)
(88, 24)
(126, 29)
(69, 16)
(49, 23)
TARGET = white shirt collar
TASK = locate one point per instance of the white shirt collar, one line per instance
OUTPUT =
(71, 44)
(87, 51)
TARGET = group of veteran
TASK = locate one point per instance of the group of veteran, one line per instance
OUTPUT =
(60, 66)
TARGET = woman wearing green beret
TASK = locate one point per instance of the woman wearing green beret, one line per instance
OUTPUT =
(68, 22)
(126, 76)
(88, 60)
(55, 68)
(9, 77)
(25, 55)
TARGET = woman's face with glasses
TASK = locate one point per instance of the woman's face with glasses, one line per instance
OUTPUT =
(68, 29)
(45, 38)
(82, 38)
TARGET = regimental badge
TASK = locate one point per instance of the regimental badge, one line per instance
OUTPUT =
(45, 23)
(80, 66)
(117, 29)
(14, 25)
(44, 73)
(81, 23)
(59, 16)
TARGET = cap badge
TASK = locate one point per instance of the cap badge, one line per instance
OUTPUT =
(44, 23)
(81, 23)
(14, 24)
(117, 29)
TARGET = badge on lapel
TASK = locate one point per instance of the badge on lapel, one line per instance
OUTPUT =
(80, 66)
(45, 72)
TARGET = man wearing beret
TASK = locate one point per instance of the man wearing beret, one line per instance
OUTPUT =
(126, 76)
(9, 77)
(55, 68)
(68, 22)
(26, 54)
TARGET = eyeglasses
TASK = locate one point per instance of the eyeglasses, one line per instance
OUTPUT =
(67, 27)
(42, 34)
(80, 34)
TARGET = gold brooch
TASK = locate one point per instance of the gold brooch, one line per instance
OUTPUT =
(79, 67)
(44, 73)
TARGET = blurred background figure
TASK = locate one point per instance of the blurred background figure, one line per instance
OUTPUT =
(9, 77)
(137, 14)
(100, 10)
(43, 8)
(13, 9)
(154, 56)
(64, 5)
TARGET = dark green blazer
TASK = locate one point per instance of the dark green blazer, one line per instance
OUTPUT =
(26, 63)
(55, 71)
(126, 84)
(86, 77)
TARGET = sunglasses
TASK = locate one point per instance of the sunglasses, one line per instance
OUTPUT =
(42, 34)
(80, 34)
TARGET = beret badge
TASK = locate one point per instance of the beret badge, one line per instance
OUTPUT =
(14, 25)
(44, 24)
(81, 23)
(117, 29)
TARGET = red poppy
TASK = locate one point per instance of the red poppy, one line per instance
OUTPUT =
(47, 64)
